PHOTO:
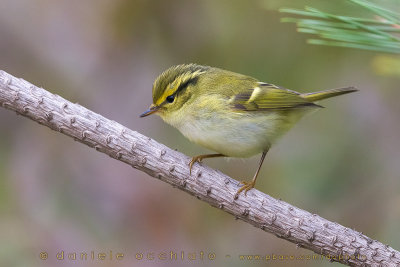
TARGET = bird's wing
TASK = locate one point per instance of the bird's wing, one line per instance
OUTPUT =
(265, 96)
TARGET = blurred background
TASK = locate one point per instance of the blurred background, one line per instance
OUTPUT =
(341, 162)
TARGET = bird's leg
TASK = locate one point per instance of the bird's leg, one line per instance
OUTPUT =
(249, 185)
(199, 158)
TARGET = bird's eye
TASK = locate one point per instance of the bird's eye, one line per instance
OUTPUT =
(170, 98)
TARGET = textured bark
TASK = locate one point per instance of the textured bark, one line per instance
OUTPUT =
(262, 211)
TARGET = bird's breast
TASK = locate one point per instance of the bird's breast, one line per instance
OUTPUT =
(234, 134)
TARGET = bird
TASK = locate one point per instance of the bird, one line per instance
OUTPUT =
(233, 114)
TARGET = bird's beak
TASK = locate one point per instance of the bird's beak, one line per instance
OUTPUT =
(153, 108)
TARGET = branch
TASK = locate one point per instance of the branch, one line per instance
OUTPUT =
(306, 230)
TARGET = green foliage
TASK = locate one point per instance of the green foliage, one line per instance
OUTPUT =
(377, 34)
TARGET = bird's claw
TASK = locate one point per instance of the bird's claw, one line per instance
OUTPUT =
(246, 187)
(194, 159)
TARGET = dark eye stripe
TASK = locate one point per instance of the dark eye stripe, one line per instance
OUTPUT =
(184, 85)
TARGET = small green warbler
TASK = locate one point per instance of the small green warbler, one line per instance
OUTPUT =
(230, 113)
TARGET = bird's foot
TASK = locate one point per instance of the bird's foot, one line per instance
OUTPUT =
(194, 159)
(246, 187)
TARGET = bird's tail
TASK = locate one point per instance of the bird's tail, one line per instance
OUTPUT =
(328, 93)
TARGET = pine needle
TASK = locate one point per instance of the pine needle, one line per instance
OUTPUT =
(377, 34)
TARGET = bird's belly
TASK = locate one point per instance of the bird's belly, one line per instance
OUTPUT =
(240, 137)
